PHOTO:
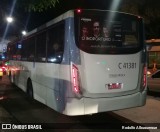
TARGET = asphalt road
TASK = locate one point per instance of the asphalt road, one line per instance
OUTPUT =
(17, 108)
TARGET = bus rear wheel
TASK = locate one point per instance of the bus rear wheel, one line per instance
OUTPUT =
(29, 89)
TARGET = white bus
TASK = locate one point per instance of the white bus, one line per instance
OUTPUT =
(70, 65)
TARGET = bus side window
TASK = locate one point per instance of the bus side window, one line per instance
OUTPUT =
(41, 47)
(31, 49)
(24, 51)
(55, 44)
(13, 52)
(55, 53)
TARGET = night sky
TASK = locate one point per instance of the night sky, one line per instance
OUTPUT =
(35, 19)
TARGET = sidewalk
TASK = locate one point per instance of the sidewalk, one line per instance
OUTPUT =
(4, 115)
(147, 115)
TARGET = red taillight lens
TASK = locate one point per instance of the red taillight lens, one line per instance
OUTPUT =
(144, 82)
(75, 80)
(4, 68)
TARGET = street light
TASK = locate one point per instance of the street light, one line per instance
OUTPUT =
(24, 32)
(10, 20)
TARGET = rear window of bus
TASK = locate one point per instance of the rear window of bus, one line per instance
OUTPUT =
(108, 33)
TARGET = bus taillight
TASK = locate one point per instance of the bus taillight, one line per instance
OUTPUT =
(75, 79)
(144, 77)
(79, 11)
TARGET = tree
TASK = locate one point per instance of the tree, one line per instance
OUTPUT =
(149, 10)
(37, 5)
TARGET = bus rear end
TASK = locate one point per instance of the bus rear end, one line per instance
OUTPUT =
(109, 72)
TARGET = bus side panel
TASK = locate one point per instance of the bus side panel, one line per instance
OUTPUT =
(72, 105)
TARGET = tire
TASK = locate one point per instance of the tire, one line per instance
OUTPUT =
(29, 89)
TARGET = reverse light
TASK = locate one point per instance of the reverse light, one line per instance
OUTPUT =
(1, 69)
(75, 80)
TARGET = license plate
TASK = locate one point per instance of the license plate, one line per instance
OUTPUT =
(114, 86)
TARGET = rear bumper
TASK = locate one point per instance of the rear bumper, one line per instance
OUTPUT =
(95, 105)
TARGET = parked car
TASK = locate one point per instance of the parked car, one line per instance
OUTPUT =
(1, 73)
(154, 81)
(3, 67)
